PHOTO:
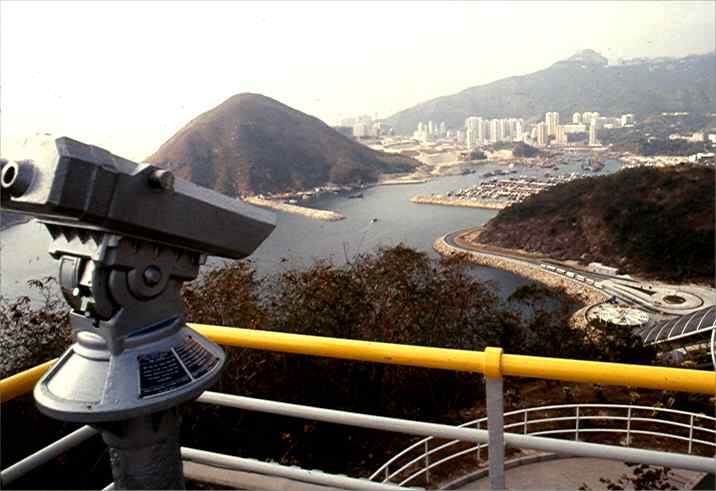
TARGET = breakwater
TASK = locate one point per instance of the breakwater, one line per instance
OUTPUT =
(467, 203)
(585, 293)
(326, 215)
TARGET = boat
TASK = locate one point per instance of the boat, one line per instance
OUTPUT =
(355, 196)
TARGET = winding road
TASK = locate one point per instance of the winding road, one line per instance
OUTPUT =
(665, 303)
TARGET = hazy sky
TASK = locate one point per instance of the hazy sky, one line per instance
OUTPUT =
(128, 75)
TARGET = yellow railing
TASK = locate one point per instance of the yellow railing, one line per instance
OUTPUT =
(491, 362)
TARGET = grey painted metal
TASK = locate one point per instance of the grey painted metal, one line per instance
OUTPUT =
(609, 452)
(438, 463)
(521, 424)
(46, 454)
(144, 451)
(628, 428)
(478, 447)
(272, 469)
(108, 487)
(696, 324)
(427, 461)
(416, 460)
(127, 236)
(576, 425)
(70, 180)
(496, 431)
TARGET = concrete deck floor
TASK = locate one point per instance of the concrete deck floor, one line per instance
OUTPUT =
(570, 473)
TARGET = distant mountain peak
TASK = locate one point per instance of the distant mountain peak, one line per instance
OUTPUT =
(589, 57)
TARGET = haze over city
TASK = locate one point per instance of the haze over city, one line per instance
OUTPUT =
(128, 75)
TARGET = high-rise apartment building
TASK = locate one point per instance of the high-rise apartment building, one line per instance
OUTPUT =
(577, 118)
(551, 121)
(494, 130)
(593, 140)
(561, 135)
(483, 131)
(517, 135)
(472, 132)
(541, 134)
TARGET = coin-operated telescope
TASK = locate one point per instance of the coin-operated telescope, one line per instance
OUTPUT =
(127, 236)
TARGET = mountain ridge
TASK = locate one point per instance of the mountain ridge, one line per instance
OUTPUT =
(582, 82)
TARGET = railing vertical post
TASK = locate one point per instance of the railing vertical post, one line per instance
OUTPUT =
(427, 462)
(576, 425)
(495, 417)
(628, 440)
(691, 433)
(478, 444)
(524, 423)
(387, 474)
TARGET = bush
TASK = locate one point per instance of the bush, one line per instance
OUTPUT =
(32, 334)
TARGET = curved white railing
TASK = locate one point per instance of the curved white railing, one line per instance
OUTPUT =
(419, 459)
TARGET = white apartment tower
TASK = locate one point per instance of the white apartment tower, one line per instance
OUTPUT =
(472, 132)
(541, 134)
(517, 135)
(577, 118)
(494, 130)
(551, 121)
(561, 135)
(593, 140)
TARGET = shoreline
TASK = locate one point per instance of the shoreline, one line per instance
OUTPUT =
(443, 201)
(585, 294)
(398, 182)
(326, 215)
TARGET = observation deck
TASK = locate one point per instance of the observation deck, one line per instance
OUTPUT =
(561, 430)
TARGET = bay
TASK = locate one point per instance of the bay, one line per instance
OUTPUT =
(384, 217)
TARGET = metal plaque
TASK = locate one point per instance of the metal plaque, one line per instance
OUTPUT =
(160, 372)
(195, 357)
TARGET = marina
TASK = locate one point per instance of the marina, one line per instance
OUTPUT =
(497, 193)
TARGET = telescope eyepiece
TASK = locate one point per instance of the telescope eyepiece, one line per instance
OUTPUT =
(16, 177)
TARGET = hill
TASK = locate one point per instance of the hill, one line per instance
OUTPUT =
(254, 144)
(652, 222)
(583, 82)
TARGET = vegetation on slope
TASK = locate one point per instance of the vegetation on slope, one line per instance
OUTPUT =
(253, 144)
(396, 295)
(653, 222)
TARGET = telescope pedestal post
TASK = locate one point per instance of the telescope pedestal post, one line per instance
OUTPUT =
(144, 451)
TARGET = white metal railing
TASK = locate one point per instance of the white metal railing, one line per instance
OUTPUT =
(523, 435)
(419, 459)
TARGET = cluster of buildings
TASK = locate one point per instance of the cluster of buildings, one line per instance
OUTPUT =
(479, 131)
(696, 137)
(431, 131)
(363, 127)
(586, 122)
